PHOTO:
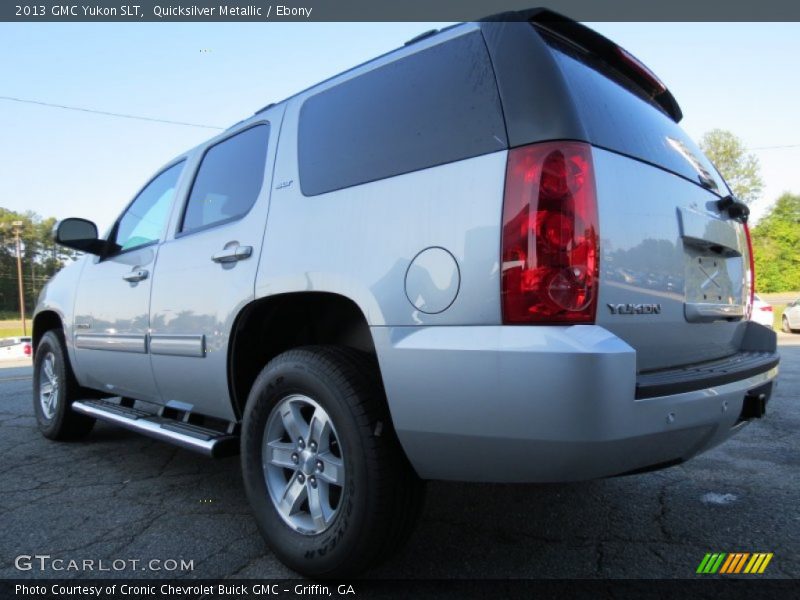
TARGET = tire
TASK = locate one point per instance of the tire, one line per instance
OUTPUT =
(372, 509)
(785, 325)
(53, 411)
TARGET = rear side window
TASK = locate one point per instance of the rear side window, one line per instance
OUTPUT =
(436, 106)
(228, 181)
(620, 118)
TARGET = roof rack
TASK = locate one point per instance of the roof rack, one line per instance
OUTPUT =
(421, 36)
(260, 110)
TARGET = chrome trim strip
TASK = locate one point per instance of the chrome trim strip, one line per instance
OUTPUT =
(148, 428)
(699, 312)
(114, 342)
(178, 345)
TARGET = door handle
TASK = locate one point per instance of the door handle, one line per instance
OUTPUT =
(229, 255)
(136, 275)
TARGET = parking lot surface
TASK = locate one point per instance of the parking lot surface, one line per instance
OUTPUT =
(117, 495)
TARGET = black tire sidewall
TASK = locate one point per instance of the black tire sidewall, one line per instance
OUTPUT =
(50, 343)
(310, 554)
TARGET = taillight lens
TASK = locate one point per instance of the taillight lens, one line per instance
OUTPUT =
(767, 308)
(26, 349)
(750, 278)
(550, 251)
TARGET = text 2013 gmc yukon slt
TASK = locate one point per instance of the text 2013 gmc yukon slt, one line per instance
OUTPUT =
(490, 255)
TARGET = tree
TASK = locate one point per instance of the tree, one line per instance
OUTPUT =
(739, 168)
(41, 258)
(776, 240)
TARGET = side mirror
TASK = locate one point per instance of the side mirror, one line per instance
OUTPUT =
(79, 234)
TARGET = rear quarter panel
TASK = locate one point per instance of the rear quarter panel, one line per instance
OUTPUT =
(360, 241)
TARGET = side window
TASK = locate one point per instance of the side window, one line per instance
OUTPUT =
(429, 108)
(144, 220)
(228, 181)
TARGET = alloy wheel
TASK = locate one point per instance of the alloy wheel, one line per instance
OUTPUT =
(48, 385)
(303, 464)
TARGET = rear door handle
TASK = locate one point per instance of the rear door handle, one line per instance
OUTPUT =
(229, 255)
(136, 275)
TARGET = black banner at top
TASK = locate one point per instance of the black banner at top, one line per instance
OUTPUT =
(390, 10)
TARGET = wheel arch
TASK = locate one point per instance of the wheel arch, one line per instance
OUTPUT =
(44, 321)
(269, 326)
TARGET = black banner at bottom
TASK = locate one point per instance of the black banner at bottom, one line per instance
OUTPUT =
(236, 589)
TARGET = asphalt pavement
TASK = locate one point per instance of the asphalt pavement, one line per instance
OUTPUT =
(119, 496)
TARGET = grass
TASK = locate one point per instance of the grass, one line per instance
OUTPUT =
(13, 328)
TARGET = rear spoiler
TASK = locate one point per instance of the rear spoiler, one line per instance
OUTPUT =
(600, 47)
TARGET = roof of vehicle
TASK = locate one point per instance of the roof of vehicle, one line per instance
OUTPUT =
(555, 23)
(422, 36)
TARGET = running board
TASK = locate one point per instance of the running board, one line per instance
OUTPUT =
(206, 441)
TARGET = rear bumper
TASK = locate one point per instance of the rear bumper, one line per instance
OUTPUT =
(494, 403)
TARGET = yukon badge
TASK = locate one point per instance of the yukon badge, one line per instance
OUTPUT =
(634, 309)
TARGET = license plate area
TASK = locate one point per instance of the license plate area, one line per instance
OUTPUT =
(708, 279)
(713, 286)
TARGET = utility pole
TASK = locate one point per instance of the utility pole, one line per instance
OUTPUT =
(17, 230)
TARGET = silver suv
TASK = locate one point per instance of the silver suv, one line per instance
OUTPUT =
(489, 255)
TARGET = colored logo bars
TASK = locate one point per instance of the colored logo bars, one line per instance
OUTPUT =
(735, 562)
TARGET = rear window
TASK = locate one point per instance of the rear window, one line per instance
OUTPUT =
(619, 117)
(436, 106)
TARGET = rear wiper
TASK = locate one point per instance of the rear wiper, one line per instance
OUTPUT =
(736, 208)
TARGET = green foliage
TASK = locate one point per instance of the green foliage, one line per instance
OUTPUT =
(739, 168)
(41, 258)
(776, 245)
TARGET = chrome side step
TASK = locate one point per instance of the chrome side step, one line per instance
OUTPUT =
(186, 435)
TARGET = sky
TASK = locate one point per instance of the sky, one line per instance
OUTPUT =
(736, 76)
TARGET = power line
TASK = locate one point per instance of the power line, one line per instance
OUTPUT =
(776, 147)
(106, 113)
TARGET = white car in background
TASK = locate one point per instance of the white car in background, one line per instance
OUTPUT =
(15, 348)
(790, 321)
(762, 312)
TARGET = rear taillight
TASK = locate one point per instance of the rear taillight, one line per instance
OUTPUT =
(26, 349)
(550, 248)
(767, 308)
(750, 278)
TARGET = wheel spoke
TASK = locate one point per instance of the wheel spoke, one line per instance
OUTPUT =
(315, 507)
(48, 368)
(46, 388)
(319, 430)
(333, 470)
(293, 496)
(293, 421)
(280, 454)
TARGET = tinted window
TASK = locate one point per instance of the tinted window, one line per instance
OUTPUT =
(621, 118)
(144, 220)
(433, 107)
(229, 179)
